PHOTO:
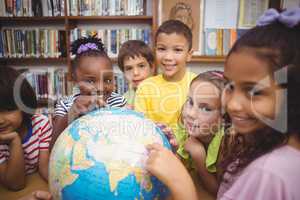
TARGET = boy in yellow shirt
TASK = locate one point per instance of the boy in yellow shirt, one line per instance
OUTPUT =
(161, 97)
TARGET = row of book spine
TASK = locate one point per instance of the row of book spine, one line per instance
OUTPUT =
(50, 83)
(217, 42)
(30, 8)
(114, 38)
(121, 83)
(106, 7)
(46, 43)
(53, 84)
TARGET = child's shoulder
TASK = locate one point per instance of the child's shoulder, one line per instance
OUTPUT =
(39, 119)
(190, 75)
(280, 161)
(158, 79)
(116, 100)
(155, 78)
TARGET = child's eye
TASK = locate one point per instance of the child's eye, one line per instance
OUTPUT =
(255, 92)
(189, 102)
(108, 81)
(89, 81)
(229, 87)
(142, 65)
(160, 49)
(205, 109)
(128, 68)
(178, 50)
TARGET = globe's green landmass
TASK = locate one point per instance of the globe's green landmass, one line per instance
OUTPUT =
(102, 155)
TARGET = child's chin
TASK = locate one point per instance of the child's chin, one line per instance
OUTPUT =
(205, 138)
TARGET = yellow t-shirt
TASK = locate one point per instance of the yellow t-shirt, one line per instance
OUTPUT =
(161, 100)
(129, 96)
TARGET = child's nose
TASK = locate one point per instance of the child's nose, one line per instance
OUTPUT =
(234, 103)
(135, 71)
(168, 55)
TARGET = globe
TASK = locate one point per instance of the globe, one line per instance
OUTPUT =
(102, 156)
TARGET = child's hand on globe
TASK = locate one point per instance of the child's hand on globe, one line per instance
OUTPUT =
(163, 164)
(169, 134)
(87, 101)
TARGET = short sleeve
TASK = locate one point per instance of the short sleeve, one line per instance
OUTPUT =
(116, 101)
(60, 109)
(45, 134)
(63, 106)
(257, 184)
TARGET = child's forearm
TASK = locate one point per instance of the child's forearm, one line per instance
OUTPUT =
(185, 189)
(44, 174)
(14, 177)
(209, 180)
(44, 164)
(59, 124)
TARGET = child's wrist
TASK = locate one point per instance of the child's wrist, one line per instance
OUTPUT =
(16, 140)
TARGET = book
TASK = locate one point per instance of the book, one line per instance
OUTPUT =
(18, 43)
(106, 7)
(250, 11)
(113, 38)
(210, 41)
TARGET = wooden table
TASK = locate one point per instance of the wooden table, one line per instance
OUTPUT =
(33, 182)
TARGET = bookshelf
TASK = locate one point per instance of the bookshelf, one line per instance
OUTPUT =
(69, 23)
(208, 59)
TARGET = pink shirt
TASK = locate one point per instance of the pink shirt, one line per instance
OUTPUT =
(273, 176)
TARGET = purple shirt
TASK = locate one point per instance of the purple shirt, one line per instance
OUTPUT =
(274, 176)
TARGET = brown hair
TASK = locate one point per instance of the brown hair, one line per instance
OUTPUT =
(134, 48)
(178, 27)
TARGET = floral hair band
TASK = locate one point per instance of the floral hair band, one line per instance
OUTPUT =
(87, 46)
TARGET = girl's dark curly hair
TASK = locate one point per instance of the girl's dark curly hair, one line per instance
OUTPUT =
(90, 52)
(279, 46)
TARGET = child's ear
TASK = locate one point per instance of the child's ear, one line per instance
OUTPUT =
(190, 54)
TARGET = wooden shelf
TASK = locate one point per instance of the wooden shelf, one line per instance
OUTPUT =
(30, 19)
(32, 60)
(121, 17)
(115, 19)
(208, 59)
